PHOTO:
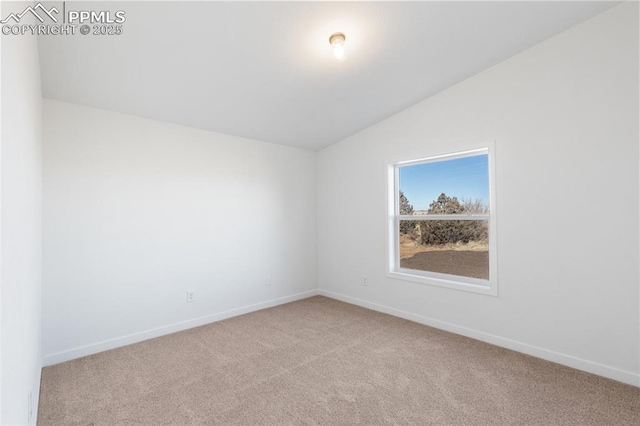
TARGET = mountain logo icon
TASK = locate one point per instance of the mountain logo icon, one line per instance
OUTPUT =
(38, 11)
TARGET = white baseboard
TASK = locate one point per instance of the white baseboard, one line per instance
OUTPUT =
(559, 358)
(129, 339)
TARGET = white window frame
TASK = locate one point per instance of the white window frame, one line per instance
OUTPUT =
(475, 285)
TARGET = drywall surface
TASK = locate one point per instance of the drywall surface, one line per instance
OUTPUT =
(138, 212)
(21, 242)
(564, 118)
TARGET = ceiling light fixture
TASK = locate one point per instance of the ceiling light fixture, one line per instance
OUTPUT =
(337, 41)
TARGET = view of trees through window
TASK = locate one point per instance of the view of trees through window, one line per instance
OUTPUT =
(455, 246)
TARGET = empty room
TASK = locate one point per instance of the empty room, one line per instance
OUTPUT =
(320, 213)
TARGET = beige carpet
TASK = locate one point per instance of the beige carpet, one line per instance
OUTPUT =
(320, 361)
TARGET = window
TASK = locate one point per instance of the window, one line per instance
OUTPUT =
(442, 220)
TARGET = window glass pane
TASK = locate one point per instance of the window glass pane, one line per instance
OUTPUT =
(455, 247)
(456, 186)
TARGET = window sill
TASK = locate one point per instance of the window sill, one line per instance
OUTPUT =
(448, 281)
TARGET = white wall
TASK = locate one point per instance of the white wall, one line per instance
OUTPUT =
(137, 212)
(564, 117)
(20, 175)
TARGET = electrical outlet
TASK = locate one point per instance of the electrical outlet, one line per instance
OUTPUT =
(267, 281)
(365, 281)
(191, 295)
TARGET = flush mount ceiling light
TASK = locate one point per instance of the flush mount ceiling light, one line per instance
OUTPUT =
(337, 41)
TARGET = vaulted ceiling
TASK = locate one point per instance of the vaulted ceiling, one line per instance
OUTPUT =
(265, 70)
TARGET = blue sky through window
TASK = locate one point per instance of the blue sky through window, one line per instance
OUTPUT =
(466, 177)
